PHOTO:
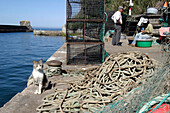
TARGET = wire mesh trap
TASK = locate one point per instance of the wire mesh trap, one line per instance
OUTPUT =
(84, 32)
(85, 24)
(84, 54)
(81, 9)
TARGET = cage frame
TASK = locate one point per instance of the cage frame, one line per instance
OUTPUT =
(90, 27)
(84, 20)
(82, 43)
(85, 13)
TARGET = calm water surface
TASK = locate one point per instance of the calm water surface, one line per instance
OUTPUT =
(17, 50)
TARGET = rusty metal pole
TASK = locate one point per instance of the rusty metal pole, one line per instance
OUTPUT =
(84, 34)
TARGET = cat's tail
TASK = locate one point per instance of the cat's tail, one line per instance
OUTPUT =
(45, 82)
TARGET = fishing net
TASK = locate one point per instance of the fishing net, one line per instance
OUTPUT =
(116, 77)
(155, 90)
(157, 85)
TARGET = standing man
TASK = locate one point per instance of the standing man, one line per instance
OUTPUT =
(117, 18)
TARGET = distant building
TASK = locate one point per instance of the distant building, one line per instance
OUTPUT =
(27, 24)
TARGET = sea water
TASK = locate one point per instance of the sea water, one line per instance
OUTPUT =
(17, 51)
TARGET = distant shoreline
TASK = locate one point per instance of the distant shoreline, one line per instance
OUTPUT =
(48, 29)
(48, 32)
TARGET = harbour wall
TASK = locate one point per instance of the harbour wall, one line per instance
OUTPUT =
(14, 28)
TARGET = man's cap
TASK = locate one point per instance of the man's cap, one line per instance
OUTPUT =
(145, 20)
(120, 7)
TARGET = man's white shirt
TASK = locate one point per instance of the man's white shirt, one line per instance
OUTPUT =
(117, 15)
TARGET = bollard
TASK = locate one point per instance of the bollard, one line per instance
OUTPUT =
(54, 68)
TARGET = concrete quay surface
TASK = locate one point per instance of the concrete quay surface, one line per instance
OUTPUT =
(27, 101)
(154, 51)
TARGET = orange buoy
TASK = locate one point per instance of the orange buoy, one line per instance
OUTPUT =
(164, 108)
(165, 4)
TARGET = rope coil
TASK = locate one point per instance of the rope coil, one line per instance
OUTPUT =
(116, 77)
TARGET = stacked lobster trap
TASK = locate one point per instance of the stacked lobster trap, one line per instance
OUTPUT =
(85, 32)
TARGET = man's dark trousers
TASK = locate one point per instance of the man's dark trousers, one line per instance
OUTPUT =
(117, 34)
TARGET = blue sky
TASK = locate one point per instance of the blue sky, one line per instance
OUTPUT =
(41, 13)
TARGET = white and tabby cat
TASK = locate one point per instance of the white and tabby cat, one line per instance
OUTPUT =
(38, 75)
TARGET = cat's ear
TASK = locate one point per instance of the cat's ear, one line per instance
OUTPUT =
(33, 61)
(41, 61)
